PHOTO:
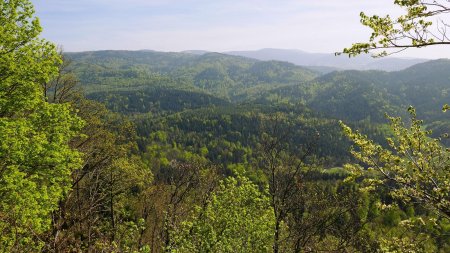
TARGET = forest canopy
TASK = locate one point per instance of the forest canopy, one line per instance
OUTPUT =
(145, 151)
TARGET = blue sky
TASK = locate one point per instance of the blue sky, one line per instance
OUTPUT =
(215, 25)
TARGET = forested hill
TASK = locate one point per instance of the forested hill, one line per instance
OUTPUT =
(368, 95)
(195, 99)
(217, 74)
(144, 151)
(143, 81)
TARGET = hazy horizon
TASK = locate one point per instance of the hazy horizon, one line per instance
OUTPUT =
(218, 26)
(399, 56)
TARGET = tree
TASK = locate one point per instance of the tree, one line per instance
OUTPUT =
(237, 218)
(64, 88)
(179, 187)
(422, 24)
(416, 167)
(284, 172)
(416, 164)
(100, 211)
(36, 160)
(329, 217)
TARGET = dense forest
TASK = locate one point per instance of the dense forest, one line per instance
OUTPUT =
(145, 151)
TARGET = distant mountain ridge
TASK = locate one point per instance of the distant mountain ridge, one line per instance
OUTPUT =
(167, 82)
(225, 76)
(330, 61)
(366, 95)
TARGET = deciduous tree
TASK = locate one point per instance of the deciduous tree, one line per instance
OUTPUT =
(237, 218)
(424, 23)
(36, 160)
(416, 166)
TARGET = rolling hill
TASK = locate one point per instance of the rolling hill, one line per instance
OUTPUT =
(327, 62)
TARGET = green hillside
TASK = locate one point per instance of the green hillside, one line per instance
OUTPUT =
(368, 95)
(198, 152)
(347, 95)
(136, 82)
(217, 74)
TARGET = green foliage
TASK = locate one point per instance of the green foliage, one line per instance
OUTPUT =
(237, 218)
(101, 209)
(368, 95)
(156, 100)
(224, 76)
(232, 134)
(35, 168)
(35, 159)
(418, 165)
(177, 81)
(413, 29)
(85, 183)
(188, 111)
(445, 108)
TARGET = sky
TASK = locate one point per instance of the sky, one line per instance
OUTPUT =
(322, 26)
